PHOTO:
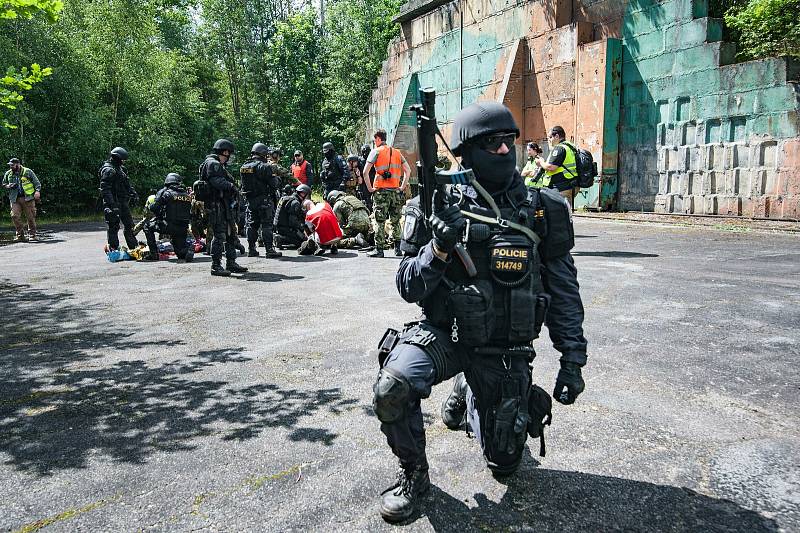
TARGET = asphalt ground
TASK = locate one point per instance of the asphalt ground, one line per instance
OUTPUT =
(142, 396)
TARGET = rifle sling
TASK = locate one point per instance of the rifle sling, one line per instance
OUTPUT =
(498, 219)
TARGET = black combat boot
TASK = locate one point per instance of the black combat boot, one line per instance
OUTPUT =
(377, 253)
(252, 252)
(399, 501)
(397, 251)
(272, 253)
(217, 270)
(189, 255)
(334, 249)
(235, 268)
(454, 408)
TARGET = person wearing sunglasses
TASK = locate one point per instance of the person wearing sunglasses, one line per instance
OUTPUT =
(560, 167)
(478, 325)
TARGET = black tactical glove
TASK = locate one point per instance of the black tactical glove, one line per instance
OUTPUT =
(447, 225)
(569, 383)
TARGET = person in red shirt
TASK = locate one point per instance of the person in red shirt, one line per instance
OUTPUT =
(323, 230)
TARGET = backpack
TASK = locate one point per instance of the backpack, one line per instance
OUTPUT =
(585, 166)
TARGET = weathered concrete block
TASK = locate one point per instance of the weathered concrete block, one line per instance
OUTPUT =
(789, 154)
(663, 183)
(713, 131)
(689, 133)
(710, 205)
(729, 205)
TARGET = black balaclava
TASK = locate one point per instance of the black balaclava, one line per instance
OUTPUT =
(494, 171)
(329, 155)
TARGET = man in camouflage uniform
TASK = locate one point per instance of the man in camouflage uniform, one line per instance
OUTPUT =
(353, 218)
(279, 170)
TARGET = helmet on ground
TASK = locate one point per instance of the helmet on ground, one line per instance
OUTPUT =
(479, 119)
(259, 149)
(333, 196)
(303, 189)
(119, 153)
(223, 144)
(173, 178)
(327, 147)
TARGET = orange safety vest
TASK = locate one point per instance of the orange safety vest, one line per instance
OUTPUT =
(391, 160)
(299, 172)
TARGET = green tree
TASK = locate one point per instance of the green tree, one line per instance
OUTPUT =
(766, 28)
(357, 35)
(15, 81)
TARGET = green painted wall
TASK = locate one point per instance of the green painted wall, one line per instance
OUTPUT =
(700, 134)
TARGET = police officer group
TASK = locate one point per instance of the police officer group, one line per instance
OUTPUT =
(476, 328)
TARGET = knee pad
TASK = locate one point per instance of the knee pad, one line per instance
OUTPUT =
(391, 396)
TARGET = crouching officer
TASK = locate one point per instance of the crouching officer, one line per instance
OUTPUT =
(480, 316)
(220, 194)
(117, 195)
(172, 210)
(260, 187)
(353, 218)
(290, 218)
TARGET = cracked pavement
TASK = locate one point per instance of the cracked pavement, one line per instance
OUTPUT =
(153, 397)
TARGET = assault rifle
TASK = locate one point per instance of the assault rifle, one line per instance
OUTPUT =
(431, 179)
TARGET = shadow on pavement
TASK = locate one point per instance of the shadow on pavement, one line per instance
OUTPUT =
(268, 277)
(551, 500)
(613, 254)
(302, 258)
(62, 403)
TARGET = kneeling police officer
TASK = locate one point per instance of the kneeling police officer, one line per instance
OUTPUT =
(480, 317)
(172, 209)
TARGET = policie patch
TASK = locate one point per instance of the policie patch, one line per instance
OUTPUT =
(510, 259)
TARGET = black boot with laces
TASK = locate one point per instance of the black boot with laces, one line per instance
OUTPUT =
(454, 408)
(399, 501)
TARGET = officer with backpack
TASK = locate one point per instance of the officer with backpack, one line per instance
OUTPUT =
(566, 167)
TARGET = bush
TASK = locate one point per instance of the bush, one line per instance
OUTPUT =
(766, 28)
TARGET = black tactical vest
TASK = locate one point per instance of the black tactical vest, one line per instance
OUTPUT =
(504, 304)
(179, 207)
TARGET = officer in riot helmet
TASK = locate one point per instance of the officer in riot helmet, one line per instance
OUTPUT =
(220, 194)
(485, 289)
(260, 187)
(118, 194)
(171, 208)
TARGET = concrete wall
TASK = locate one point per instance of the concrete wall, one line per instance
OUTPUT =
(697, 133)
(701, 134)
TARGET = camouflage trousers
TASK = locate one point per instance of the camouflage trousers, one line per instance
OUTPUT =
(356, 225)
(387, 206)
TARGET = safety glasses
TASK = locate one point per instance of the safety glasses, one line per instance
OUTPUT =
(494, 142)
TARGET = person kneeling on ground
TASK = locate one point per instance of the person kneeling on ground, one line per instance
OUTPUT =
(323, 229)
(290, 217)
(353, 218)
(171, 210)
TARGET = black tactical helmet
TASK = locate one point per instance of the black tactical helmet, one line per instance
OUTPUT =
(259, 149)
(352, 157)
(365, 150)
(333, 195)
(275, 151)
(173, 178)
(479, 119)
(297, 152)
(303, 189)
(328, 146)
(223, 144)
(119, 153)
